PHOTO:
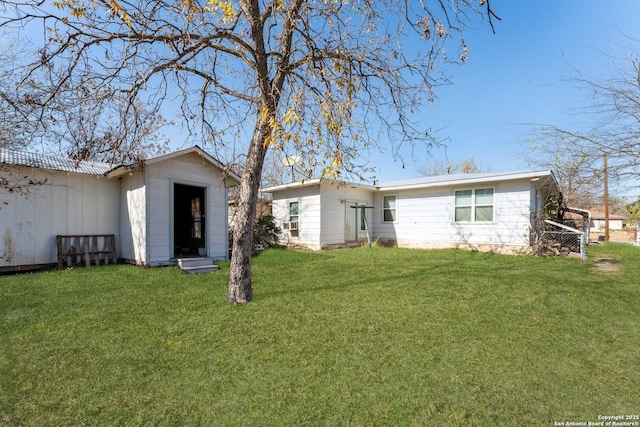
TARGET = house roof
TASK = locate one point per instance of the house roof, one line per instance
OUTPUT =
(466, 179)
(545, 177)
(600, 216)
(46, 161)
(312, 182)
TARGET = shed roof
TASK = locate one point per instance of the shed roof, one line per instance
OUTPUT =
(46, 161)
(58, 163)
(225, 170)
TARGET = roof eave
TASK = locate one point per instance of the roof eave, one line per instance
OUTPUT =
(471, 181)
(232, 178)
(317, 181)
(297, 184)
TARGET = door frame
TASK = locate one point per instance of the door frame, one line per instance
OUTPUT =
(354, 216)
(203, 192)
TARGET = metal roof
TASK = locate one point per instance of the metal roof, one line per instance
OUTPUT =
(433, 181)
(463, 178)
(45, 161)
(59, 163)
(317, 181)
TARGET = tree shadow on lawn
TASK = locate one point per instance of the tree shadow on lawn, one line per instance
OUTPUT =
(384, 273)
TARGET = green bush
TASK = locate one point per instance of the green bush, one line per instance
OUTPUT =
(265, 232)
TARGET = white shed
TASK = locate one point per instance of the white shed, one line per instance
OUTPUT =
(171, 206)
(598, 221)
(488, 211)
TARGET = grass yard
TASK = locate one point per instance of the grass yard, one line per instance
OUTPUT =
(447, 337)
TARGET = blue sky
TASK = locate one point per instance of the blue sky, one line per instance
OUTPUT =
(519, 75)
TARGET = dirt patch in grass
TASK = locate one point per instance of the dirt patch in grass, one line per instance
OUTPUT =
(610, 265)
(626, 236)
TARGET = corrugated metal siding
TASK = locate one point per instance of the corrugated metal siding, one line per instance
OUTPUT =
(67, 204)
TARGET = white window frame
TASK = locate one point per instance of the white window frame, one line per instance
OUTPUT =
(395, 209)
(474, 205)
(289, 216)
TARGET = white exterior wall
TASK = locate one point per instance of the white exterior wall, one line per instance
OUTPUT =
(133, 219)
(599, 224)
(309, 222)
(336, 205)
(323, 213)
(68, 204)
(425, 218)
(192, 170)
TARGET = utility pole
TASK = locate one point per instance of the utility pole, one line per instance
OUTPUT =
(606, 199)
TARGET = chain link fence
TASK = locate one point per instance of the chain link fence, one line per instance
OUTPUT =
(560, 239)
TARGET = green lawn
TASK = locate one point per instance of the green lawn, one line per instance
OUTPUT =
(447, 337)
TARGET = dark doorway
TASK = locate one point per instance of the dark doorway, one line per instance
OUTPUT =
(188, 221)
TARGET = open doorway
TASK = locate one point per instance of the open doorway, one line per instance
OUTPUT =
(189, 229)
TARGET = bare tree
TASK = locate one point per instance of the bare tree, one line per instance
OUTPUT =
(439, 167)
(79, 125)
(16, 107)
(608, 125)
(579, 172)
(321, 79)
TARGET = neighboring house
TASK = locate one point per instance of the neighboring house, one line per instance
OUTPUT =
(173, 205)
(485, 211)
(616, 222)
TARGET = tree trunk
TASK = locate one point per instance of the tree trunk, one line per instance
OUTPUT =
(240, 290)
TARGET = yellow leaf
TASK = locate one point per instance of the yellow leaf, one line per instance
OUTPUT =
(226, 9)
(78, 13)
(267, 141)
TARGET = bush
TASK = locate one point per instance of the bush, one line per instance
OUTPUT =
(265, 232)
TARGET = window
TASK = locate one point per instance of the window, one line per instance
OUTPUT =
(294, 212)
(474, 205)
(484, 205)
(389, 208)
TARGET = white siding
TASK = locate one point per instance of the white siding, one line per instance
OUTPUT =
(309, 222)
(425, 218)
(66, 204)
(137, 208)
(323, 210)
(133, 219)
(599, 225)
(189, 169)
(336, 205)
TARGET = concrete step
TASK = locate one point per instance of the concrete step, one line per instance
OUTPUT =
(197, 265)
(194, 262)
(200, 269)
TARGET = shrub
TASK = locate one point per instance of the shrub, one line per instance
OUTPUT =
(266, 232)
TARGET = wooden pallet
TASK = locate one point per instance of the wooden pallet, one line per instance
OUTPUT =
(77, 250)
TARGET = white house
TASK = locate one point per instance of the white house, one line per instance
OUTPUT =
(173, 205)
(486, 211)
(616, 222)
